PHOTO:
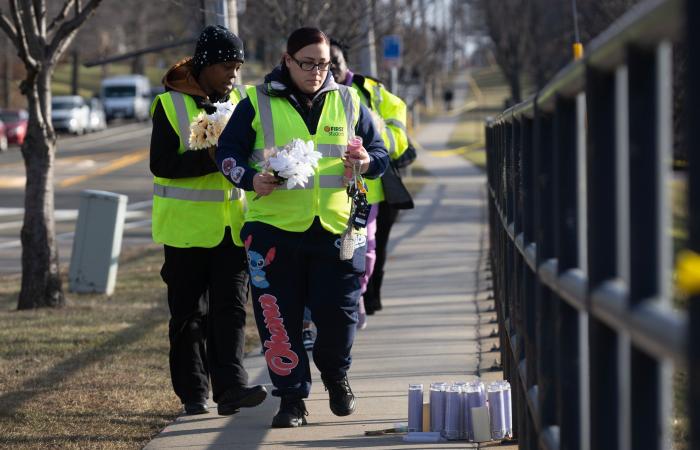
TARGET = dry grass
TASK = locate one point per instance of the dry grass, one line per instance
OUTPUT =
(488, 92)
(93, 374)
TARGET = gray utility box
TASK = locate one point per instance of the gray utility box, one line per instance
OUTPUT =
(97, 242)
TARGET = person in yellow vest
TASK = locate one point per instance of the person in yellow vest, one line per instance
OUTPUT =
(293, 236)
(389, 113)
(197, 217)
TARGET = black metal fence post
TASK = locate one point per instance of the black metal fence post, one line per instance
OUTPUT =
(580, 251)
(692, 90)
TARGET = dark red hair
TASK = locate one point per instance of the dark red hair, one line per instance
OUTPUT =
(303, 37)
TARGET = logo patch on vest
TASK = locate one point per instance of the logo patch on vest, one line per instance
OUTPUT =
(227, 165)
(334, 131)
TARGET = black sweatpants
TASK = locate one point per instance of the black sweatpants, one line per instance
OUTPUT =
(207, 291)
(289, 271)
(385, 220)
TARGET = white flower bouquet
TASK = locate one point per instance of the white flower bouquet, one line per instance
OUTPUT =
(293, 163)
(205, 129)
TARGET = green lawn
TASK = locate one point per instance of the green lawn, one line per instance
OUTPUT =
(486, 97)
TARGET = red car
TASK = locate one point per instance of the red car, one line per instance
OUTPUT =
(15, 121)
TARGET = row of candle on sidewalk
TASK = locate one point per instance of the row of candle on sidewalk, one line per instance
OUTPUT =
(462, 410)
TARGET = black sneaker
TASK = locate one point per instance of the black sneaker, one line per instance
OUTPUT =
(234, 399)
(308, 336)
(194, 408)
(292, 414)
(340, 396)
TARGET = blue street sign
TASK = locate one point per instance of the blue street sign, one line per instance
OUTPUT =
(392, 48)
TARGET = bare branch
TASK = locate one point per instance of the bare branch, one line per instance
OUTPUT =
(35, 40)
(40, 15)
(61, 16)
(61, 39)
(21, 42)
(8, 27)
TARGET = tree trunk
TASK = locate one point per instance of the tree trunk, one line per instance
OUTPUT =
(75, 72)
(514, 83)
(41, 282)
(6, 72)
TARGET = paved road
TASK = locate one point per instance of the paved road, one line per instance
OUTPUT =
(114, 160)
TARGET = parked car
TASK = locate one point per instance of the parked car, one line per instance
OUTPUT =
(70, 113)
(15, 125)
(98, 120)
(127, 96)
(3, 138)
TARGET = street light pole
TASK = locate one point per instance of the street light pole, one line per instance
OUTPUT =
(368, 62)
(577, 46)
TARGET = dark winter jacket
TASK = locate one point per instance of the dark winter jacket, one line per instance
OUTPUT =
(238, 138)
(165, 160)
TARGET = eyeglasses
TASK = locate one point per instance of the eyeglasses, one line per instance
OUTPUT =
(309, 66)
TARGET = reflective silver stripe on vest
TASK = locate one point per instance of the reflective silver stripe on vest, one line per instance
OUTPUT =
(396, 123)
(265, 110)
(392, 142)
(236, 194)
(257, 156)
(349, 109)
(332, 150)
(241, 91)
(326, 150)
(326, 182)
(183, 122)
(332, 181)
(377, 100)
(192, 195)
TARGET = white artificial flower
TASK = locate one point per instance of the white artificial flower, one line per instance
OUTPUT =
(205, 129)
(198, 131)
(295, 162)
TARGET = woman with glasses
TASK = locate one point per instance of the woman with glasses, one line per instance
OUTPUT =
(293, 236)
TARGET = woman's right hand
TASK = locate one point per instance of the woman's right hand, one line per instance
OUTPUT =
(264, 183)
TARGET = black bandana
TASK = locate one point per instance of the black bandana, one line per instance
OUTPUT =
(217, 44)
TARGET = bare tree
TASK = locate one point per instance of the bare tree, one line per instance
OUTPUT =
(40, 44)
(508, 26)
(534, 37)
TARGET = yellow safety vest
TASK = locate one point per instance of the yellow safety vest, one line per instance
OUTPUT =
(393, 110)
(276, 123)
(194, 212)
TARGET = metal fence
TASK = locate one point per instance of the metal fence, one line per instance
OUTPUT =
(581, 244)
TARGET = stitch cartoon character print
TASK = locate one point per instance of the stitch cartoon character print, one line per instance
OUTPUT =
(256, 264)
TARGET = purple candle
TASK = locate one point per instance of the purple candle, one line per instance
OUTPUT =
(508, 408)
(453, 412)
(437, 406)
(462, 407)
(473, 400)
(497, 411)
(415, 407)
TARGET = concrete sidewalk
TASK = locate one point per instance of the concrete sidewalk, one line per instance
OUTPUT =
(428, 330)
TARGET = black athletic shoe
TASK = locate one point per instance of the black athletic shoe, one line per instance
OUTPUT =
(292, 414)
(340, 396)
(194, 408)
(234, 399)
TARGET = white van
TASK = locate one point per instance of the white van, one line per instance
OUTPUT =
(127, 96)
